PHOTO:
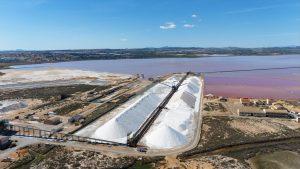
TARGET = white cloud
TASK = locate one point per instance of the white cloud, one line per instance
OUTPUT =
(168, 25)
(188, 25)
(124, 40)
(194, 16)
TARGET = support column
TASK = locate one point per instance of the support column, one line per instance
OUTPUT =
(20, 132)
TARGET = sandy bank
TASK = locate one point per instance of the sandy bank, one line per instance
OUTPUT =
(14, 78)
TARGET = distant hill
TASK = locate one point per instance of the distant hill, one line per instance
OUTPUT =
(32, 57)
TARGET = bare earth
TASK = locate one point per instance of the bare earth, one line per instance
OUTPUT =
(253, 127)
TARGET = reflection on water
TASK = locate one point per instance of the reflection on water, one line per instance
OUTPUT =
(277, 160)
(273, 83)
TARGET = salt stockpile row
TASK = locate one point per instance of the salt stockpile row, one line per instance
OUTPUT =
(176, 124)
(130, 120)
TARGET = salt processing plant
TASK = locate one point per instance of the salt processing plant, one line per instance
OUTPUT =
(127, 114)
(175, 124)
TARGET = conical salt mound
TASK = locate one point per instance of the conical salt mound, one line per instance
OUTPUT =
(111, 130)
(165, 137)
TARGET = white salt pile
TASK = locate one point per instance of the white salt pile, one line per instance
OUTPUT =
(130, 120)
(165, 136)
(175, 125)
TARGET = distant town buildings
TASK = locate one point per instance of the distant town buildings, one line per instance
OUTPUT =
(257, 112)
(267, 108)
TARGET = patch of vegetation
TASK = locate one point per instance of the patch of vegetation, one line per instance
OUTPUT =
(62, 157)
(46, 93)
(23, 162)
(140, 165)
(212, 106)
(36, 154)
(69, 108)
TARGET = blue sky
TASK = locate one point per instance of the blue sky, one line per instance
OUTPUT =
(78, 24)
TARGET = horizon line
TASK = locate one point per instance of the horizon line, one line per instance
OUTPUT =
(28, 50)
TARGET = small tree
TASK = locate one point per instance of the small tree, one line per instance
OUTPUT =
(3, 123)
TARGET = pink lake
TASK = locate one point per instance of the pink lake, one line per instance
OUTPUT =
(259, 84)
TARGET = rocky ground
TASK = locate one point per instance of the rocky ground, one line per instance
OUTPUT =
(70, 158)
(47, 156)
(202, 162)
